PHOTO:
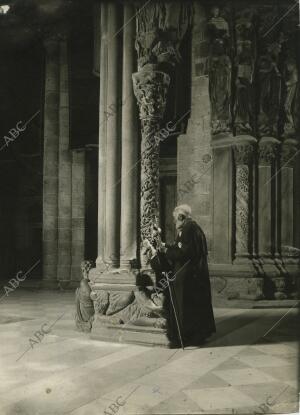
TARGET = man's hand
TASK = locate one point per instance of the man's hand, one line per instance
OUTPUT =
(163, 248)
(147, 245)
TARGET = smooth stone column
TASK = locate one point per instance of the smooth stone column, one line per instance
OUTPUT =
(78, 212)
(289, 252)
(102, 136)
(129, 174)
(50, 168)
(268, 150)
(113, 141)
(64, 174)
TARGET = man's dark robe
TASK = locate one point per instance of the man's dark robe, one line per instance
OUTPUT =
(190, 286)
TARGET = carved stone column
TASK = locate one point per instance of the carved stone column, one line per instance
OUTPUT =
(130, 165)
(267, 176)
(50, 173)
(64, 173)
(113, 147)
(243, 154)
(78, 212)
(102, 134)
(290, 255)
(150, 88)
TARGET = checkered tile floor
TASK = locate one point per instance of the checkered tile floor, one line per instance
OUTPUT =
(238, 372)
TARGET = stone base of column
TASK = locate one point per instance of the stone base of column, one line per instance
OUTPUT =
(125, 308)
(237, 281)
(144, 336)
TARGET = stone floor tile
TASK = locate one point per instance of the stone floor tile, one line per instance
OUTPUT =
(244, 376)
(219, 398)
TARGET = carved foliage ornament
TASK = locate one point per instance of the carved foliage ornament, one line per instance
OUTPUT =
(243, 153)
(150, 89)
(242, 209)
(268, 151)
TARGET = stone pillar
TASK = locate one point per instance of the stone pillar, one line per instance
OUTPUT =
(154, 84)
(130, 166)
(268, 148)
(102, 135)
(64, 174)
(113, 140)
(290, 255)
(50, 168)
(78, 212)
(243, 154)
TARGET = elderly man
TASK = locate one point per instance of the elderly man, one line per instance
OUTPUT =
(190, 283)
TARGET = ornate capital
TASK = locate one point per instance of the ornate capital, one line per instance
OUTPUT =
(268, 151)
(243, 148)
(288, 153)
(150, 89)
(243, 153)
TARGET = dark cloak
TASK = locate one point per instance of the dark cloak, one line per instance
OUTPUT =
(190, 285)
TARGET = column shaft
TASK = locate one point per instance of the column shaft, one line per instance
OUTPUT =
(50, 167)
(112, 190)
(64, 173)
(152, 84)
(289, 149)
(129, 174)
(266, 182)
(78, 212)
(243, 152)
(102, 134)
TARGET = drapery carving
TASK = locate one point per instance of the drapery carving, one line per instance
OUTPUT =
(245, 63)
(269, 75)
(291, 93)
(219, 72)
(150, 88)
(160, 29)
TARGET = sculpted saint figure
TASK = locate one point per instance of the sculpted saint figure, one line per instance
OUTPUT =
(84, 304)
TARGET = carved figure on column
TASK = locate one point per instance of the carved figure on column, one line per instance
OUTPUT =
(292, 95)
(84, 305)
(245, 61)
(270, 84)
(160, 29)
(219, 73)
